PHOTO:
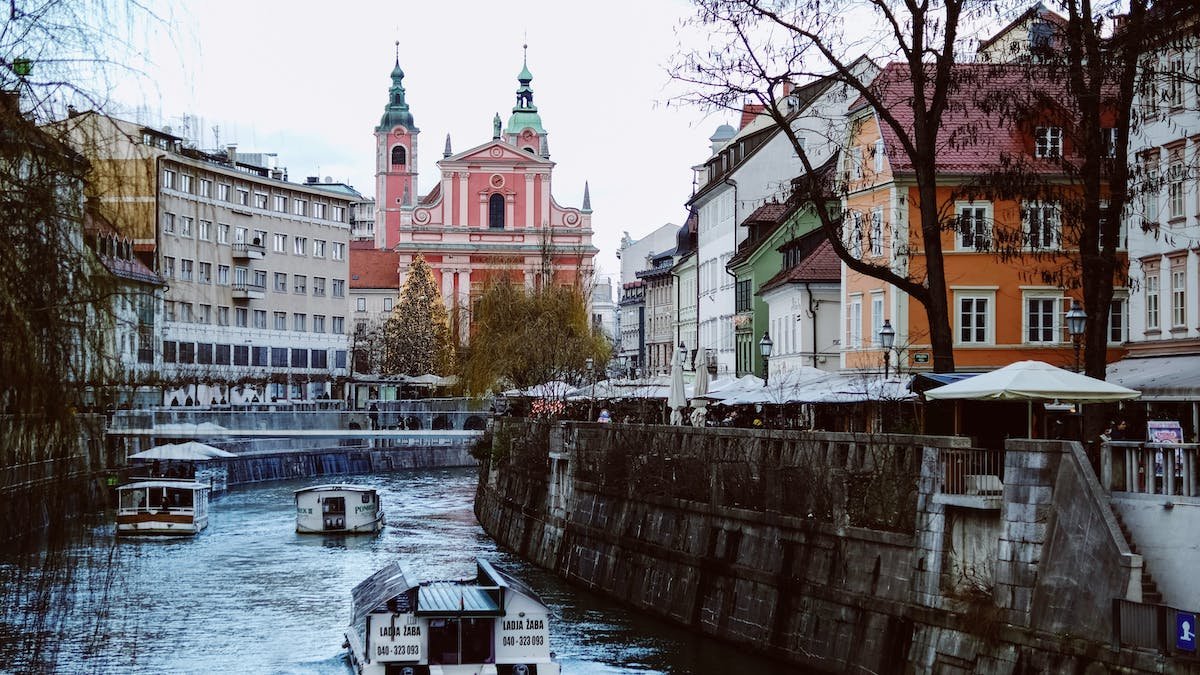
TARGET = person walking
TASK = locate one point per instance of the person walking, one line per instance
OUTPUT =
(374, 415)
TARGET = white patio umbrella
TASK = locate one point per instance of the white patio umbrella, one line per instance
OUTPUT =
(191, 451)
(1032, 380)
(677, 397)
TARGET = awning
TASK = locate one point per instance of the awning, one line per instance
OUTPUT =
(1159, 378)
(441, 598)
(922, 382)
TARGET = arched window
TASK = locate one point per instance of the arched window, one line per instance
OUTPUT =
(496, 211)
(398, 155)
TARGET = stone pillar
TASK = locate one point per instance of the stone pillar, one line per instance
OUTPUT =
(930, 535)
(529, 221)
(462, 199)
(464, 303)
(448, 286)
(1030, 473)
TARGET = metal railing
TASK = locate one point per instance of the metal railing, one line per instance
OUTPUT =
(971, 471)
(1150, 468)
(1149, 626)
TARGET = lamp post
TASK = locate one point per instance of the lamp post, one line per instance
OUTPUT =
(590, 364)
(710, 360)
(1076, 323)
(887, 338)
(682, 355)
(764, 348)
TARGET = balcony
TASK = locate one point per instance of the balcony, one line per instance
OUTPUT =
(248, 291)
(244, 251)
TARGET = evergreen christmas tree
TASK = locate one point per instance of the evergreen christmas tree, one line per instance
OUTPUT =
(417, 335)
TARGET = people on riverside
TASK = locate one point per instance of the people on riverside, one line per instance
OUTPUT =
(374, 415)
(604, 417)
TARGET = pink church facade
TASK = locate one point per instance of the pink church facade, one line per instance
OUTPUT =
(492, 213)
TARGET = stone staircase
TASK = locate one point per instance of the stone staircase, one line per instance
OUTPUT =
(1150, 593)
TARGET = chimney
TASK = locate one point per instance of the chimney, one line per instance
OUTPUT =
(10, 102)
(231, 153)
(312, 180)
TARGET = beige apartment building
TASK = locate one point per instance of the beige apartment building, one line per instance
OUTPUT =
(256, 267)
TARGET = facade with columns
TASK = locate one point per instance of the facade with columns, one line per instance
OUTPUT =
(491, 215)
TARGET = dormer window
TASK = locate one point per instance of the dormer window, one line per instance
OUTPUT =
(1047, 142)
(399, 156)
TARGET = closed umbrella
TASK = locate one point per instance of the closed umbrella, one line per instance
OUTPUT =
(677, 397)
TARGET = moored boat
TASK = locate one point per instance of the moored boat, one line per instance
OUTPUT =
(338, 509)
(162, 506)
(491, 624)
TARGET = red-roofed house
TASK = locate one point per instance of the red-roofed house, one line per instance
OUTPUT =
(1002, 310)
(374, 285)
(804, 304)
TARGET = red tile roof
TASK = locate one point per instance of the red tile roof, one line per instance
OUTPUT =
(820, 266)
(749, 112)
(374, 268)
(979, 126)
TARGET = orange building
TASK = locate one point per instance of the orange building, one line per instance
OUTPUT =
(1010, 269)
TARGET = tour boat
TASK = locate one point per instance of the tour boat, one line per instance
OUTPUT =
(338, 508)
(162, 506)
(491, 624)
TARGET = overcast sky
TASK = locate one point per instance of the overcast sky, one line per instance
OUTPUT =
(309, 81)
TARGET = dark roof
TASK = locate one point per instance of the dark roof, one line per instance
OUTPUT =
(820, 266)
(763, 222)
(1039, 9)
(374, 268)
(977, 130)
(131, 268)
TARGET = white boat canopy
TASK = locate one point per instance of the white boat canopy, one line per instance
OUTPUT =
(191, 451)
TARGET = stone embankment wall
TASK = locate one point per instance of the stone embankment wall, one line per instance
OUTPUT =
(831, 551)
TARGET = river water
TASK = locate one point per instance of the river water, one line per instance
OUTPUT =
(250, 595)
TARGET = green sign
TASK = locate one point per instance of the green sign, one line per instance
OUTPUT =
(920, 358)
(22, 67)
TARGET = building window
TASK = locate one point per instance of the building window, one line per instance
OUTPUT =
(318, 323)
(742, 296)
(205, 187)
(187, 352)
(300, 284)
(260, 318)
(339, 324)
(339, 214)
(185, 183)
(855, 245)
(973, 230)
(878, 155)
(1175, 80)
(205, 230)
(222, 233)
(280, 320)
(319, 286)
(496, 211)
(280, 282)
(854, 330)
(260, 200)
(243, 197)
(1175, 175)
(185, 226)
(387, 304)
(168, 223)
(299, 244)
(168, 267)
(856, 163)
(169, 179)
(279, 357)
(1116, 320)
(279, 243)
(1041, 225)
(974, 318)
(1149, 187)
(399, 156)
(239, 235)
(360, 304)
(1178, 297)
(223, 192)
(241, 275)
(1108, 136)
(877, 232)
(318, 210)
(339, 251)
(240, 316)
(205, 314)
(299, 207)
(185, 269)
(339, 288)
(205, 273)
(260, 278)
(1041, 319)
(299, 358)
(185, 313)
(1152, 290)
(299, 322)
(320, 358)
(318, 248)
(876, 316)
(223, 275)
(1048, 142)
(280, 203)
(221, 357)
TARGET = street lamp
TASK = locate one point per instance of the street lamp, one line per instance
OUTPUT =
(682, 355)
(764, 348)
(887, 338)
(710, 359)
(590, 364)
(1076, 323)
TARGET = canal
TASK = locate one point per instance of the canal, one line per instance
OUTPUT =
(249, 595)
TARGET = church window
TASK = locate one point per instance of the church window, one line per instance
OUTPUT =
(398, 155)
(496, 211)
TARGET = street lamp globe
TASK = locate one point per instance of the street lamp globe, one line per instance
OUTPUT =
(682, 354)
(1076, 319)
(764, 347)
(887, 335)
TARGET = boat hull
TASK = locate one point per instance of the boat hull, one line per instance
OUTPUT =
(162, 525)
(306, 526)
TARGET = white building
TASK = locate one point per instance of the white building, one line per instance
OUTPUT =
(635, 256)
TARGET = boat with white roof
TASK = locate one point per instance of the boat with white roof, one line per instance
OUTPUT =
(162, 506)
(488, 625)
(340, 508)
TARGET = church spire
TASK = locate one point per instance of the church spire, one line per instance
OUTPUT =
(396, 112)
(447, 152)
(525, 113)
(587, 198)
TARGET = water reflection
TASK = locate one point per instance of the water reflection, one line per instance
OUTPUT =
(250, 595)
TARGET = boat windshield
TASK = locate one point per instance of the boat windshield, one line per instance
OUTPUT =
(467, 640)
